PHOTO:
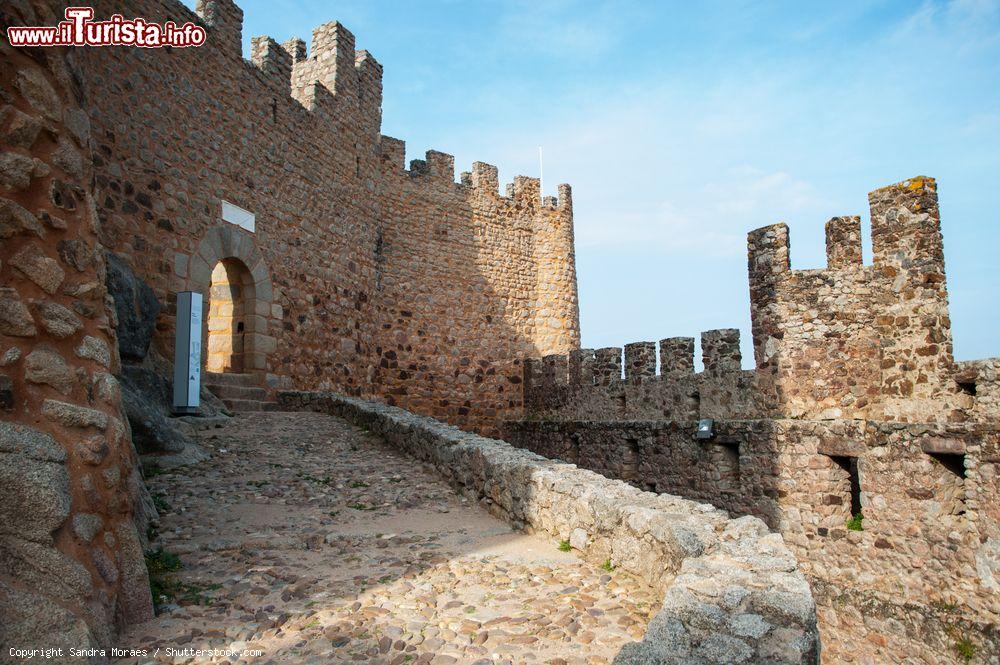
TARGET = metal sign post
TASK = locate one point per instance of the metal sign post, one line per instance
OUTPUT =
(187, 353)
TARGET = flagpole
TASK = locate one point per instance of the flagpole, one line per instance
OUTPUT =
(541, 175)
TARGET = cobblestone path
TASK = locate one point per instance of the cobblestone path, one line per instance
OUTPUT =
(308, 540)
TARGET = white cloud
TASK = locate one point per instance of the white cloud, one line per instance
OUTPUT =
(556, 28)
(712, 220)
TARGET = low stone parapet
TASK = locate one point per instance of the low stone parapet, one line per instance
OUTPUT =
(732, 590)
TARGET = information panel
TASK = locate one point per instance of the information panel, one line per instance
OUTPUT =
(187, 352)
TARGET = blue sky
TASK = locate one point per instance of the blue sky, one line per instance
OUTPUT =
(683, 125)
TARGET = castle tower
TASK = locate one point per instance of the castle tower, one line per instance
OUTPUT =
(557, 312)
(912, 311)
(856, 341)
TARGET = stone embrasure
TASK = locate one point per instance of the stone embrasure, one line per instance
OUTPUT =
(724, 580)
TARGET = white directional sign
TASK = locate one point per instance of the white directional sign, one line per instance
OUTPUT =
(187, 352)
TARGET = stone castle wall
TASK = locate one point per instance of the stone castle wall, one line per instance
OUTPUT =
(73, 509)
(855, 341)
(848, 341)
(359, 275)
(929, 535)
(466, 284)
(368, 278)
(855, 406)
(586, 382)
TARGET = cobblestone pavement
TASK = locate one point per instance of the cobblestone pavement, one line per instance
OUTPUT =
(308, 540)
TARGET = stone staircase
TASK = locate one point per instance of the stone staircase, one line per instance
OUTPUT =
(240, 392)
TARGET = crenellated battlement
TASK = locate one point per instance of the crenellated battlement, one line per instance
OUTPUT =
(856, 435)
(273, 59)
(634, 383)
(224, 20)
(906, 232)
(374, 261)
(330, 61)
(843, 242)
(906, 228)
(720, 350)
(482, 180)
(853, 340)
(846, 341)
(335, 81)
(638, 361)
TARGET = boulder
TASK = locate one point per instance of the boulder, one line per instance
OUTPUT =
(45, 569)
(36, 497)
(136, 306)
(135, 603)
(145, 397)
(32, 621)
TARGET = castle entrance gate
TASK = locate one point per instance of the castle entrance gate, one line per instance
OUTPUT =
(229, 270)
(231, 299)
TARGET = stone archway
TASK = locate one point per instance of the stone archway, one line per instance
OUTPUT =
(231, 302)
(230, 253)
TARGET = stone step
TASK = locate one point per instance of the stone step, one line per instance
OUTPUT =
(243, 405)
(232, 379)
(226, 391)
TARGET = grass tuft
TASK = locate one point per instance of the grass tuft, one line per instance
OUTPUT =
(160, 503)
(965, 649)
(854, 524)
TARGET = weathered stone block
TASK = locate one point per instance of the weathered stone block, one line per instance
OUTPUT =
(39, 268)
(36, 498)
(92, 348)
(46, 367)
(39, 92)
(16, 171)
(15, 220)
(58, 321)
(21, 128)
(15, 319)
(71, 415)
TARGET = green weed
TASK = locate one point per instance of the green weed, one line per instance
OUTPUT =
(854, 524)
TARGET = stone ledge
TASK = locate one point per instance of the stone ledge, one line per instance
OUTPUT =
(732, 590)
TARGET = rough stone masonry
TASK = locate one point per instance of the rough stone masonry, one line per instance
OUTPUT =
(73, 506)
(358, 274)
(361, 275)
(857, 436)
(365, 277)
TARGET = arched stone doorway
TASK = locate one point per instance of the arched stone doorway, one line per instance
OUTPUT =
(231, 304)
(230, 271)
